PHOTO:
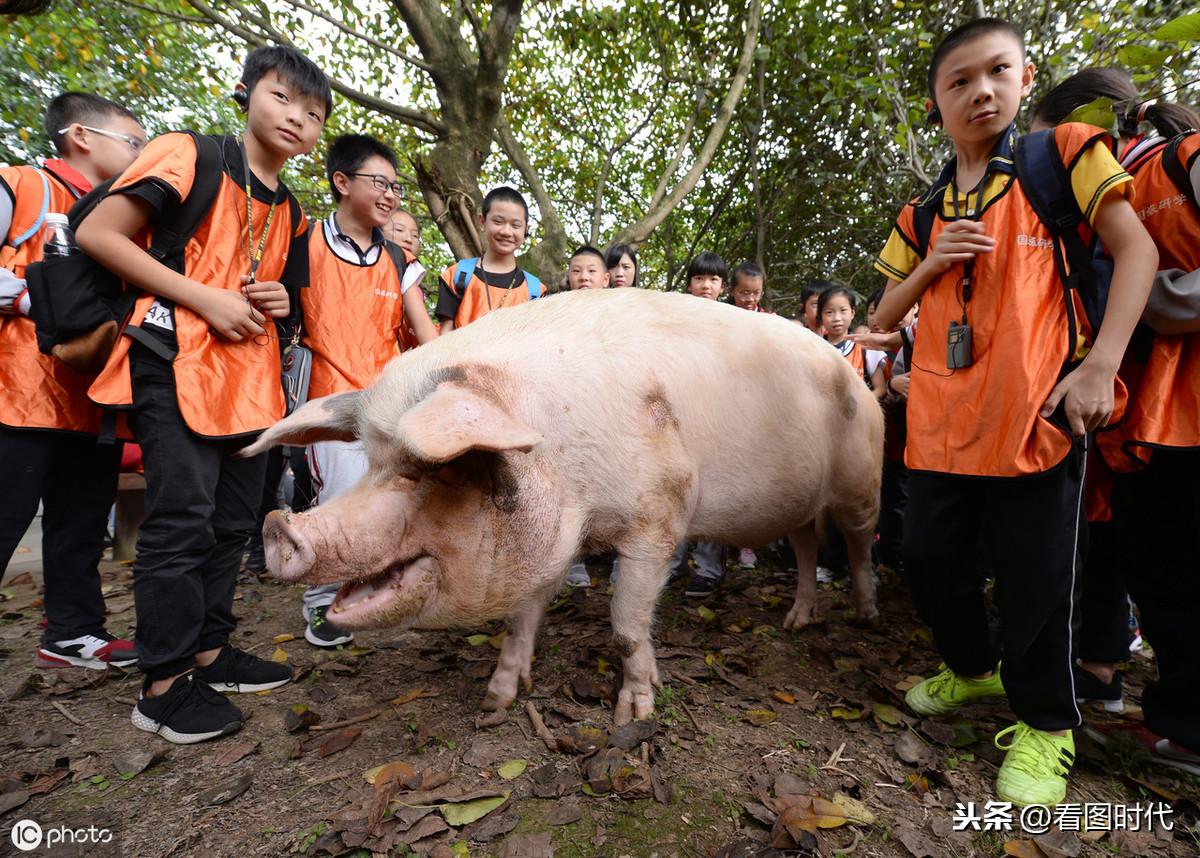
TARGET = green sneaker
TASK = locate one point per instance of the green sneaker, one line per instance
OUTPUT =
(1035, 768)
(941, 694)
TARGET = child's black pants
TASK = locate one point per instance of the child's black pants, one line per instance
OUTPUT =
(1032, 531)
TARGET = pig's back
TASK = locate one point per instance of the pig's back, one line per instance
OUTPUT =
(767, 414)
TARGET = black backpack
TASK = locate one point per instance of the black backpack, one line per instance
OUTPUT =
(1046, 183)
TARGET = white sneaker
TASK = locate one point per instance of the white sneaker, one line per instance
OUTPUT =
(824, 576)
(578, 576)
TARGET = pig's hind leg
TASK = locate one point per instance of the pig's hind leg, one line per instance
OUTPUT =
(804, 544)
(634, 598)
(516, 658)
(858, 528)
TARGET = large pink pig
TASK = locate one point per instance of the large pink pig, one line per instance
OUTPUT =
(603, 419)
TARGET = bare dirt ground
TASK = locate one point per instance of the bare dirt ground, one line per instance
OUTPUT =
(766, 743)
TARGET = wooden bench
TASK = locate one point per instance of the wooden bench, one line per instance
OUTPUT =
(131, 509)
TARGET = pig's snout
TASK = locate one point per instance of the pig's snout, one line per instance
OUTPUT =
(288, 552)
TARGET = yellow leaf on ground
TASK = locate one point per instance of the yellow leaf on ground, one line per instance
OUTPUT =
(784, 697)
(512, 769)
(810, 812)
(856, 812)
(408, 696)
(603, 665)
(706, 613)
(845, 714)
(761, 717)
(282, 638)
(467, 812)
(478, 640)
(886, 713)
(497, 641)
(279, 656)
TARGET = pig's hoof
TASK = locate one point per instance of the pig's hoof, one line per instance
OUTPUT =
(631, 705)
(492, 719)
(494, 702)
(869, 616)
(798, 618)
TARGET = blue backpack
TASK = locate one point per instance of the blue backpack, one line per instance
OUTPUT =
(466, 270)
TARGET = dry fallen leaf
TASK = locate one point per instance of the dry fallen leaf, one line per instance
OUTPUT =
(512, 769)
(137, 761)
(463, 813)
(230, 754)
(477, 640)
(887, 714)
(784, 697)
(909, 682)
(339, 741)
(279, 655)
(846, 714)
(1022, 849)
(397, 770)
(761, 717)
(706, 613)
(278, 639)
(225, 793)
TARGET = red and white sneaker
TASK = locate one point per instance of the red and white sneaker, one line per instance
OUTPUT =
(95, 652)
(1162, 751)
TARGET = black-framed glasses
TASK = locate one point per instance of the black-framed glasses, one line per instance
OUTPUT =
(380, 183)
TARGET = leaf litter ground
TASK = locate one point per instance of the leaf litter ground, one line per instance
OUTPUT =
(765, 742)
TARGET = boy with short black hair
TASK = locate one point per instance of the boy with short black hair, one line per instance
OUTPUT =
(587, 269)
(198, 371)
(471, 288)
(1008, 472)
(359, 312)
(48, 428)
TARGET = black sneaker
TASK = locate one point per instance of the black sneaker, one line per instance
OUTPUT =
(237, 671)
(321, 632)
(701, 587)
(187, 712)
(256, 555)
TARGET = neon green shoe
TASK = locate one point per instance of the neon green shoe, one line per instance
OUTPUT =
(941, 694)
(1035, 768)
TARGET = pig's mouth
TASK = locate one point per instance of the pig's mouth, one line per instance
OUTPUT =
(363, 603)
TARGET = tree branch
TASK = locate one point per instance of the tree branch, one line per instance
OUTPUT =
(551, 222)
(638, 233)
(350, 31)
(416, 118)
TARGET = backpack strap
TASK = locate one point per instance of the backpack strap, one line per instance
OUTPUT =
(1047, 185)
(927, 208)
(533, 285)
(36, 226)
(399, 258)
(177, 228)
(1178, 172)
(463, 272)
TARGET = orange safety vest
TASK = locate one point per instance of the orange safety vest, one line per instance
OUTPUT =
(225, 389)
(983, 420)
(479, 299)
(354, 319)
(36, 390)
(1164, 410)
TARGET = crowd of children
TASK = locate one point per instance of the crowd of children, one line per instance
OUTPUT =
(1036, 365)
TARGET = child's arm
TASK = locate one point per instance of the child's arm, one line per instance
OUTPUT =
(878, 341)
(879, 381)
(106, 236)
(418, 316)
(1088, 389)
(446, 326)
(958, 242)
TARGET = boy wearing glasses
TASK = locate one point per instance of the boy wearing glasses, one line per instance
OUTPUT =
(197, 371)
(359, 312)
(48, 427)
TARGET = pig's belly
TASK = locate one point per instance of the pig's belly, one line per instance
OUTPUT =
(754, 512)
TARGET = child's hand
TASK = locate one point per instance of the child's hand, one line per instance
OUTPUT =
(958, 241)
(229, 314)
(877, 340)
(899, 385)
(1088, 391)
(270, 297)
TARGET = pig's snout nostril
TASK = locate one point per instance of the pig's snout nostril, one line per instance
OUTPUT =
(288, 554)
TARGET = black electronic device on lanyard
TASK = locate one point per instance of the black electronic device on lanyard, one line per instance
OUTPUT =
(958, 335)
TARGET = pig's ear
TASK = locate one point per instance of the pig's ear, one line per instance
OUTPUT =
(330, 418)
(454, 420)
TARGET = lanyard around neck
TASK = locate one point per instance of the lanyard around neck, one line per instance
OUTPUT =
(968, 278)
(255, 254)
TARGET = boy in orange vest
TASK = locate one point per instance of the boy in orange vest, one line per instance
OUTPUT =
(471, 288)
(48, 428)
(198, 370)
(999, 413)
(361, 310)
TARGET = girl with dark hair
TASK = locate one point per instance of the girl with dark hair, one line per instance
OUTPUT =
(1153, 454)
(622, 263)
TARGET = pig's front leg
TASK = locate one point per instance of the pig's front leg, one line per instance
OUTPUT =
(634, 598)
(516, 658)
(804, 543)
